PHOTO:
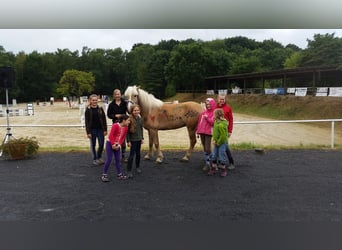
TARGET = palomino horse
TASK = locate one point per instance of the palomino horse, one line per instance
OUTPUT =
(158, 115)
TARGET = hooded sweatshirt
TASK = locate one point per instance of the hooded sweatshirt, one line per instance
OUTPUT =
(220, 132)
(206, 119)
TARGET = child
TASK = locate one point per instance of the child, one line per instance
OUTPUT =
(220, 141)
(115, 139)
(135, 138)
(204, 130)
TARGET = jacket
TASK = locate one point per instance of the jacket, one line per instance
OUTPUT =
(220, 132)
(88, 116)
(117, 134)
(138, 134)
(206, 119)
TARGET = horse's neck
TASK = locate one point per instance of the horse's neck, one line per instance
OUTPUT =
(148, 101)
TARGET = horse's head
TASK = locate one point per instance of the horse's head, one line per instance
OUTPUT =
(131, 96)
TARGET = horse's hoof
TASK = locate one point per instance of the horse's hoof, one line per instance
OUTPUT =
(147, 157)
(184, 159)
(159, 161)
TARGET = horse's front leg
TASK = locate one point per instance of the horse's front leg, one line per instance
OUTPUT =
(149, 154)
(192, 138)
(160, 156)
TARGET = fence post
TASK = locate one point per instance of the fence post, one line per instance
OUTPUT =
(332, 134)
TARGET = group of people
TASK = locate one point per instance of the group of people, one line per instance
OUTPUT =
(214, 128)
(125, 128)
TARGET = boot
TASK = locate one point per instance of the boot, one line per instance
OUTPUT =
(212, 170)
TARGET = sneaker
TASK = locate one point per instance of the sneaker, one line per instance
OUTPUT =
(223, 173)
(231, 167)
(104, 178)
(121, 177)
(138, 170)
(207, 166)
(95, 162)
(100, 161)
(129, 174)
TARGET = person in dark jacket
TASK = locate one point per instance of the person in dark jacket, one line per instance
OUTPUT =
(96, 128)
(115, 109)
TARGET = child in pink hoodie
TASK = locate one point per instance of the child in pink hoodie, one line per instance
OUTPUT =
(204, 129)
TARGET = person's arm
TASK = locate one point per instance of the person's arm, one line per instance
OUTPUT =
(110, 112)
(230, 121)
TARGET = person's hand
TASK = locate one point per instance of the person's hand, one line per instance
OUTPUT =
(89, 136)
(128, 144)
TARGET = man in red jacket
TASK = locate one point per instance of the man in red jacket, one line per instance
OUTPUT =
(228, 114)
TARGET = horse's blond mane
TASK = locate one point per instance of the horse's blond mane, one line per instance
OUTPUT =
(146, 100)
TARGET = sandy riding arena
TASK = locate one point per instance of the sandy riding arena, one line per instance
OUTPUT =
(58, 126)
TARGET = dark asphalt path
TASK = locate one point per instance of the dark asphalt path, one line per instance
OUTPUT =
(279, 185)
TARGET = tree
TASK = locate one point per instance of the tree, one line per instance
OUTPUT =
(76, 83)
(293, 61)
(323, 50)
(187, 66)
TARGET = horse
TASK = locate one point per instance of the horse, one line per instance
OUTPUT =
(158, 115)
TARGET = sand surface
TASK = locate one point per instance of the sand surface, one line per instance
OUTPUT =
(64, 128)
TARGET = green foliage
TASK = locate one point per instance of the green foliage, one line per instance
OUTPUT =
(170, 90)
(323, 50)
(293, 61)
(76, 83)
(186, 66)
(12, 145)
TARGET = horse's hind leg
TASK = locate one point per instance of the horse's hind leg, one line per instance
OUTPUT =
(149, 154)
(192, 139)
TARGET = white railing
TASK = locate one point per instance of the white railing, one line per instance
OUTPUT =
(332, 121)
(332, 141)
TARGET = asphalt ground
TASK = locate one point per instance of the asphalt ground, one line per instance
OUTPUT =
(274, 186)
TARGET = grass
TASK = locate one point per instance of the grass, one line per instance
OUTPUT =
(234, 146)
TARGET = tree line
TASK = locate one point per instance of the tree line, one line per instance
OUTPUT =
(162, 69)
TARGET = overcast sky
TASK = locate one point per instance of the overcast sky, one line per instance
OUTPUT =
(49, 40)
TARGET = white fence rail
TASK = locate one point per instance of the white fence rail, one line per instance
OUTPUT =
(332, 121)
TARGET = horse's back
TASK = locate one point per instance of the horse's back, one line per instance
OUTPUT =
(173, 116)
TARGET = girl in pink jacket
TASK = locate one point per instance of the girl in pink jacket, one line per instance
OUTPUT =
(204, 129)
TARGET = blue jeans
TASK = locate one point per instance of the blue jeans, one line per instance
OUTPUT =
(97, 134)
(219, 154)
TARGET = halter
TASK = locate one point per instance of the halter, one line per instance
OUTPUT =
(130, 102)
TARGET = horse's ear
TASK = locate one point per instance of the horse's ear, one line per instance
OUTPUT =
(138, 86)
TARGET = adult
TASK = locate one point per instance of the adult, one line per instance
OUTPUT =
(228, 115)
(115, 109)
(96, 128)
